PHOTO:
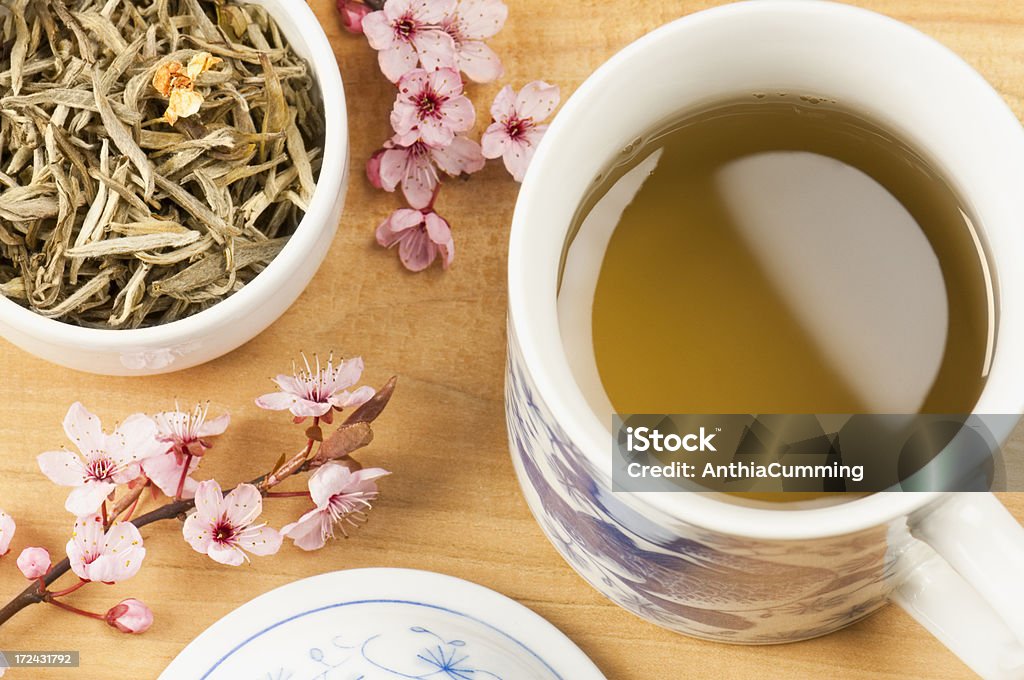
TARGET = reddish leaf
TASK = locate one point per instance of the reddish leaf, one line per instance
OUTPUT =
(345, 440)
(369, 411)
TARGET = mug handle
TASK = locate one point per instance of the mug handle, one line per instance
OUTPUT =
(963, 580)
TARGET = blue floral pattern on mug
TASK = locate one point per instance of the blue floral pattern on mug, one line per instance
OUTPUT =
(675, 574)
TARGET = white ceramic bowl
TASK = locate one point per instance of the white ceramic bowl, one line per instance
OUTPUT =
(236, 320)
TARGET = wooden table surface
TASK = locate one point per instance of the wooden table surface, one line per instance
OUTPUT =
(453, 504)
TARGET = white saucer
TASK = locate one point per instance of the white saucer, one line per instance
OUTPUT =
(382, 624)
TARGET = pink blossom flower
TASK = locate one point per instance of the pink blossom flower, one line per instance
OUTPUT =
(130, 616)
(188, 434)
(113, 556)
(415, 167)
(352, 15)
(341, 496)
(7, 528)
(222, 526)
(106, 460)
(472, 22)
(318, 392)
(515, 132)
(430, 107)
(34, 563)
(420, 235)
(407, 33)
(187, 438)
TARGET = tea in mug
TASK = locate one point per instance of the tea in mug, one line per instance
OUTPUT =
(785, 255)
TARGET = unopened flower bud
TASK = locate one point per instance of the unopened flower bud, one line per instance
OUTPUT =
(352, 14)
(130, 616)
(34, 563)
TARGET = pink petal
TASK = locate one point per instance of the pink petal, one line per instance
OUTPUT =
(86, 539)
(101, 570)
(411, 85)
(216, 426)
(396, 9)
(308, 531)
(396, 60)
(494, 141)
(441, 234)
(135, 439)
(7, 529)
(62, 467)
(354, 399)
(276, 401)
(437, 228)
(395, 227)
(410, 138)
(197, 532)
(480, 19)
(373, 170)
(331, 479)
(517, 158)
(349, 372)
(262, 541)
(435, 132)
(306, 408)
(121, 537)
(420, 181)
(225, 554)
(446, 82)
(435, 11)
(436, 49)
(165, 472)
(84, 429)
(404, 119)
(128, 473)
(209, 502)
(123, 553)
(459, 114)
(537, 100)
(479, 62)
(368, 475)
(87, 499)
(392, 168)
(463, 155)
(242, 505)
(535, 134)
(416, 251)
(504, 105)
(378, 30)
(76, 560)
(290, 384)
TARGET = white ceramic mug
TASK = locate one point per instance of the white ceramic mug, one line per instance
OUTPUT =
(742, 574)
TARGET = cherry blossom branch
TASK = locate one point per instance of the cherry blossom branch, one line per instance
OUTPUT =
(353, 434)
(430, 51)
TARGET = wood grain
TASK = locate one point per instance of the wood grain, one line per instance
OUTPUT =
(453, 504)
